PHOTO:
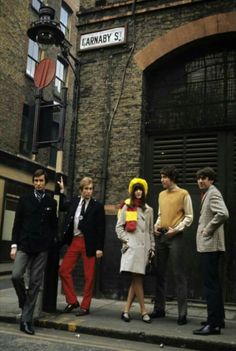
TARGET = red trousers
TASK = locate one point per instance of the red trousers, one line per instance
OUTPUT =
(75, 251)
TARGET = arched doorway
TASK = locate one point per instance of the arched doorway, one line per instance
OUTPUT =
(190, 121)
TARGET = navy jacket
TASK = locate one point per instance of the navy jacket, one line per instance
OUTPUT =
(92, 226)
(35, 224)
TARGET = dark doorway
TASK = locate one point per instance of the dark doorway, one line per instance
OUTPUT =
(190, 121)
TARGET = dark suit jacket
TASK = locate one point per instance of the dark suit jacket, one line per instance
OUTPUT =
(35, 224)
(92, 226)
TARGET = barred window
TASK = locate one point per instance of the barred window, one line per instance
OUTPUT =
(190, 105)
(194, 92)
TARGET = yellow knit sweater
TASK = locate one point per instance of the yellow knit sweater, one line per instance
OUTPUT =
(171, 207)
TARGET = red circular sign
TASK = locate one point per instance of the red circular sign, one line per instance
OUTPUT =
(44, 73)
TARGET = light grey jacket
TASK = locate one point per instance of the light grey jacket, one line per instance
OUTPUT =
(137, 243)
(213, 214)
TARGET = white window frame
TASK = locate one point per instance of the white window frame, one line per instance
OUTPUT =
(33, 58)
(60, 78)
(36, 4)
(65, 16)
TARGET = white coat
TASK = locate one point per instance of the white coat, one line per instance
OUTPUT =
(139, 242)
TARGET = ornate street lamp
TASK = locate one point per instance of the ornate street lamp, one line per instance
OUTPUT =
(46, 30)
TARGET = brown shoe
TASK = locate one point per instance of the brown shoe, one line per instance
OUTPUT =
(71, 307)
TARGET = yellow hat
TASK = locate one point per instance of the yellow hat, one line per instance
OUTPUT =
(135, 181)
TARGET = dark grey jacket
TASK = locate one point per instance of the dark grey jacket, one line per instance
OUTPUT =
(35, 224)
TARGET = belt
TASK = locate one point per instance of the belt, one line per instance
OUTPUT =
(163, 230)
(79, 235)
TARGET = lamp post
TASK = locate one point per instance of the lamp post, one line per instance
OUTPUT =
(46, 32)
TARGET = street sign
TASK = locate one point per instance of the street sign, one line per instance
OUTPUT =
(44, 73)
(104, 38)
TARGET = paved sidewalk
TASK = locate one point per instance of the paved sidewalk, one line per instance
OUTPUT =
(104, 320)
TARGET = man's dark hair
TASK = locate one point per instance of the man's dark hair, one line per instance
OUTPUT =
(206, 172)
(40, 172)
(170, 172)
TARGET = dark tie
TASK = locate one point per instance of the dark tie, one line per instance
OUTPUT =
(39, 195)
(81, 213)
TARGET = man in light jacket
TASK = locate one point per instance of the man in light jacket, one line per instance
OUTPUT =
(211, 246)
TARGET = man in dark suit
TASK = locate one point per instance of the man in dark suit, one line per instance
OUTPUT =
(34, 229)
(84, 232)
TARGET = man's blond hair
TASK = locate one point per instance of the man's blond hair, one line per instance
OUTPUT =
(84, 182)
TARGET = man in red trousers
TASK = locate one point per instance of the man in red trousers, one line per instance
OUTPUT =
(84, 232)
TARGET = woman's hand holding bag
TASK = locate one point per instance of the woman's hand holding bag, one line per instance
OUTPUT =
(151, 264)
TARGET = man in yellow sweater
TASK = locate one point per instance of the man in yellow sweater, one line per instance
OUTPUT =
(174, 215)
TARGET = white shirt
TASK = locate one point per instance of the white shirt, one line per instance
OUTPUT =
(77, 215)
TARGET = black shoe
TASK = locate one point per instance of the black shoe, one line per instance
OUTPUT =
(221, 324)
(157, 314)
(27, 328)
(207, 330)
(182, 320)
(125, 316)
(70, 307)
(146, 318)
(82, 312)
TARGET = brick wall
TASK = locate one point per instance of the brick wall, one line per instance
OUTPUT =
(15, 87)
(101, 84)
(13, 49)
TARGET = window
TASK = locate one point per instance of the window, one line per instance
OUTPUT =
(33, 58)
(53, 148)
(60, 76)
(48, 128)
(11, 202)
(55, 133)
(27, 130)
(36, 4)
(198, 90)
(65, 20)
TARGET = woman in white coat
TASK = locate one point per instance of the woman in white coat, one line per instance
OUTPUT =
(135, 229)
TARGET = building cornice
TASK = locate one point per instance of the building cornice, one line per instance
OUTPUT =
(121, 10)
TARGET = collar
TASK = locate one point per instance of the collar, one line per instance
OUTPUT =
(39, 193)
(83, 199)
(172, 187)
